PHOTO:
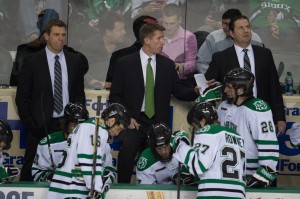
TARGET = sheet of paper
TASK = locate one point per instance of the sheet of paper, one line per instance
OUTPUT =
(201, 82)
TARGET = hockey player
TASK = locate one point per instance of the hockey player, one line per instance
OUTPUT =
(45, 164)
(72, 178)
(217, 156)
(156, 164)
(252, 118)
(7, 172)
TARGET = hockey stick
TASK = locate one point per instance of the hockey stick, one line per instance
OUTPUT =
(179, 164)
(97, 118)
(47, 135)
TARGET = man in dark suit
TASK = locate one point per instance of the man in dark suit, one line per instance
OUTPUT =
(130, 87)
(266, 85)
(38, 90)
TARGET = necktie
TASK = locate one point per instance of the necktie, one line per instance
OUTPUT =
(149, 95)
(247, 65)
(58, 99)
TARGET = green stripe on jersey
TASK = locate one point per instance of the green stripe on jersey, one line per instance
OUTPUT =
(56, 137)
(87, 156)
(268, 158)
(68, 191)
(266, 142)
(220, 181)
(257, 104)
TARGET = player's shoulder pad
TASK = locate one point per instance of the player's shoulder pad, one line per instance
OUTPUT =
(89, 121)
(53, 138)
(92, 121)
(146, 160)
(257, 104)
(211, 129)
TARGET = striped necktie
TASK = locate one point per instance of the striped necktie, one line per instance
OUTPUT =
(149, 95)
(247, 64)
(58, 99)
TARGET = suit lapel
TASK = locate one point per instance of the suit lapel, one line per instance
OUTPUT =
(69, 70)
(257, 60)
(47, 76)
(139, 70)
(159, 73)
(232, 57)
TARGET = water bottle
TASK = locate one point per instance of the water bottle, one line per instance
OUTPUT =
(288, 83)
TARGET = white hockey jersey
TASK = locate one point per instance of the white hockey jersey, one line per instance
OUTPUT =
(217, 158)
(254, 122)
(151, 171)
(73, 175)
(225, 111)
(42, 165)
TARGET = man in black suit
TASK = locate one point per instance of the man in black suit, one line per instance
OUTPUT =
(36, 91)
(130, 87)
(266, 85)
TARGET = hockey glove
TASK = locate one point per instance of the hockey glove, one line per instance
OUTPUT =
(211, 93)
(263, 177)
(49, 177)
(94, 195)
(99, 195)
(109, 175)
(180, 136)
(185, 179)
(8, 173)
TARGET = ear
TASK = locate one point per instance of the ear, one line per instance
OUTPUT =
(202, 123)
(146, 40)
(231, 33)
(46, 36)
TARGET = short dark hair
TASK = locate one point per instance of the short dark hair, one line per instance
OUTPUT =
(231, 23)
(139, 22)
(54, 22)
(147, 30)
(231, 13)
(171, 10)
(108, 20)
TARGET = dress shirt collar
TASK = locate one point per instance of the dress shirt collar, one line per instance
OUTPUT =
(51, 55)
(145, 57)
(238, 49)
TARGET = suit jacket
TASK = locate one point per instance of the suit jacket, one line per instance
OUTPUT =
(34, 97)
(267, 81)
(128, 86)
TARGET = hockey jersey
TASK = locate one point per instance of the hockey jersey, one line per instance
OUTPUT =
(217, 158)
(42, 165)
(73, 175)
(225, 111)
(254, 122)
(152, 171)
